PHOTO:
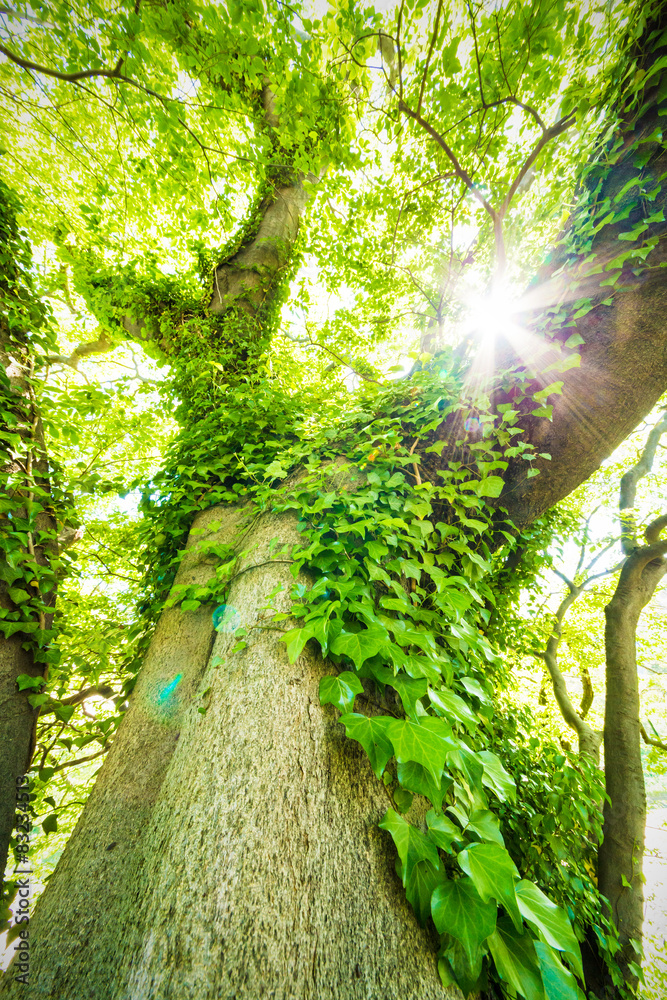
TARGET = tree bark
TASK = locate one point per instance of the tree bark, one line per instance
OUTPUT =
(620, 857)
(17, 652)
(236, 853)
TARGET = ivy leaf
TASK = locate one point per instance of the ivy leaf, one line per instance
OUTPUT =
(25, 682)
(549, 920)
(296, 639)
(414, 742)
(493, 872)
(372, 734)
(496, 777)
(467, 976)
(473, 687)
(405, 635)
(442, 831)
(491, 486)
(377, 550)
(450, 704)
(420, 887)
(458, 909)
(485, 825)
(417, 779)
(559, 983)
(17, 595)
(516, 960)
(403, 799)
(359, 646)
(340, 691)
(467, 763)
(411, 844)
(409, 690)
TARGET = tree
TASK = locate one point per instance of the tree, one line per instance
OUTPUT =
(267, 833)
(620, 855)
(27, 584)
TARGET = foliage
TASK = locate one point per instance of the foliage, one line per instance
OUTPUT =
(411, 590)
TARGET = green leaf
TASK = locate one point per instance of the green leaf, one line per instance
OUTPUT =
(417, 779)
(190, 605)
(50, 824)
(496, 777)
(403, 799)
(372, 734)
(485, 825)
(377, 550)
(296, 639)
(340, 691)
(359, 646)
(458, 909)
(442, 831)
(17, 595)
(492, 486)
(423, 880)
(411, 844)
(558, 982)
(494, 873)
(468, 764)
(409, 690)
(516, 960)
(468, 975)
(414, 742)
(549, 920)
(451, 705)
(25, 682)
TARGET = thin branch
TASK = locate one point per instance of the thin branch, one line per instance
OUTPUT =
(655, 528)
(81, 760)
(111, 572)
(429, 54)
(652, 742)
(346, 364)
(85, 74)
(75, 699)
(555, 130)
(628, 490)
(461, 173)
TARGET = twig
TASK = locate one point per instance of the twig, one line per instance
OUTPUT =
(652, 742)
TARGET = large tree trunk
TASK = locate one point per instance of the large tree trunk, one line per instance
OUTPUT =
(233, 853)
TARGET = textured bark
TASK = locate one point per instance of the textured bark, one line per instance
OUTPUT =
(620, 856)
(17, 726)
(238, 849)
(17, 717)
(243, 280)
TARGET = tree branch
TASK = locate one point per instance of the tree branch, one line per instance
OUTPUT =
(650, 741)
(429, 54)
(629, 482)
(75, 699)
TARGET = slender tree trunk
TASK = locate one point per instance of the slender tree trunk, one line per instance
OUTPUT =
(17, 717)
(620, 857)
(231, 853)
